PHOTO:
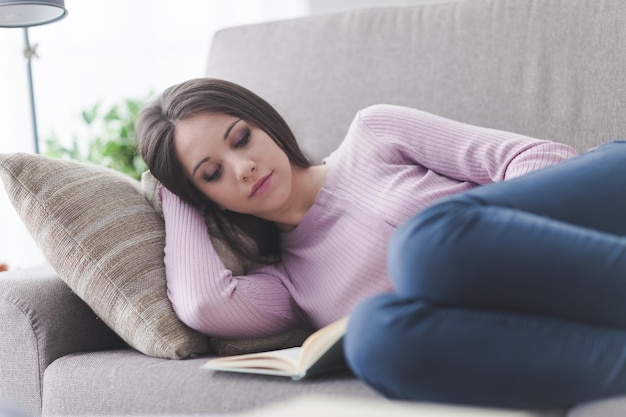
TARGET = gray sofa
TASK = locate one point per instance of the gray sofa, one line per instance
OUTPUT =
(546, 68)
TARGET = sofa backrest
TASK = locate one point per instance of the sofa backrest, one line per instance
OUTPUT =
(553, 69)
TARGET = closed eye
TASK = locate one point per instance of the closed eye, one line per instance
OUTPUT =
(244, 139)
(209, 177)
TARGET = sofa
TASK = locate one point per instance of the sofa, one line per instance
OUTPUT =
(552, 69)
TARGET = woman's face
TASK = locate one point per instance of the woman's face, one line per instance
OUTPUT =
(234, 163)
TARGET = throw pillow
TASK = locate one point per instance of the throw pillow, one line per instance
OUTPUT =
(106, 242)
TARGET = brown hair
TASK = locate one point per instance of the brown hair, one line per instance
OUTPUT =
(252, 238)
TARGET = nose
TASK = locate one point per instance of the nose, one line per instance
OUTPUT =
(244, 168)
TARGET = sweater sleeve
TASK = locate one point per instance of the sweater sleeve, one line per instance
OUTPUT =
(458, 150)
(206, 296)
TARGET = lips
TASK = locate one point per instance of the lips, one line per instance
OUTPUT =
(261, 185)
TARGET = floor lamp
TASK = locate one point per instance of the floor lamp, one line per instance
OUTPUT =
(24, 14)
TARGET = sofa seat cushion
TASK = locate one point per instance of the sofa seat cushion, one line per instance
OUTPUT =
(126, 382)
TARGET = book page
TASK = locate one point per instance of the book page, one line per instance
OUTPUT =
(322, 352)
(321, 341)
(284, 360)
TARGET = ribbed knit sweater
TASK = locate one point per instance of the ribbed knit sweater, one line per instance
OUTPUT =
(393, 162)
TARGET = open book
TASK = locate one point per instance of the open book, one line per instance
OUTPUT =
(320, 353)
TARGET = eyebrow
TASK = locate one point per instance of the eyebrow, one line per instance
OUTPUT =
(230, 128)
(203, 160)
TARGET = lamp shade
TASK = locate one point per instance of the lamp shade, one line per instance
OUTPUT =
(24, 13)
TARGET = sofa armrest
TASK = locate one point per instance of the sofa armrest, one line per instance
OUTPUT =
(41, 319)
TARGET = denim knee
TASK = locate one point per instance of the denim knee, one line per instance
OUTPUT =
(366, 341)
(430, 243)
(379, 338)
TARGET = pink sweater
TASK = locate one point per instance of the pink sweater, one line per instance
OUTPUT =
(394, 162)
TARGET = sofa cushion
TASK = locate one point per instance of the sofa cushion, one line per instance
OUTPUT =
(542, 68)
(106, 242)
(131, 383)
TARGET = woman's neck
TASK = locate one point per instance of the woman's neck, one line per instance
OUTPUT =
(306, 185)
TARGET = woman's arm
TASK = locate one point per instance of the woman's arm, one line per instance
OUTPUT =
(206, 296)
(458, 150)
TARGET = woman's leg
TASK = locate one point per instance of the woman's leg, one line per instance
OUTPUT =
(512, 294)
(547, 243)
(412, 350)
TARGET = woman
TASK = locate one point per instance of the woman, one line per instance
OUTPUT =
(481, 301)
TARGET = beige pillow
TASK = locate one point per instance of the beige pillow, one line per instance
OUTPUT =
(106, 242)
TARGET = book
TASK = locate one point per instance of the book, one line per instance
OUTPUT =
(321, 352)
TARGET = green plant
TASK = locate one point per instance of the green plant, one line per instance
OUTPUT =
(109, 139)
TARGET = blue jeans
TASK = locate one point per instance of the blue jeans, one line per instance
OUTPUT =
(511, 294)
